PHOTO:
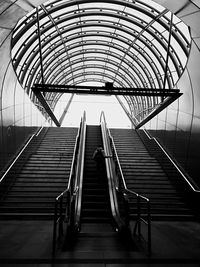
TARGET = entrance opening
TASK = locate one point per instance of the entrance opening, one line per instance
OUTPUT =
(93, 105)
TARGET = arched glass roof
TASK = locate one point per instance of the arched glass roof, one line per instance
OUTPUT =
(129, 43)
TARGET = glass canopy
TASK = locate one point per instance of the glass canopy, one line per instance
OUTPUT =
(136, 44)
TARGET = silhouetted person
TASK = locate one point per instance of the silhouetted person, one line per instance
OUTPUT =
(99, 157)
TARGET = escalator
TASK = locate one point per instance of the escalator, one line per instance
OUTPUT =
(95, 199)
(98, 233)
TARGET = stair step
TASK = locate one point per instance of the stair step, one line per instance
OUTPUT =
(94, 197)
(39, 180)
(27, 202)
(95, 205)
(44, 175)
(29, 199)
(166, 217)
(40, 184)
(94, 219)
(31, 190)
(30, 209)
(26, 216)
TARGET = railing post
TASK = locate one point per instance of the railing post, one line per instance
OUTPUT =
(61, 217)
(127, 213)
(149, 228)
(68, 210)
(55, 228)
(139, 216)
(72, 209)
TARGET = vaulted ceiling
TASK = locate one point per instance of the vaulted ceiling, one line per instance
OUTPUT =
(136, 44)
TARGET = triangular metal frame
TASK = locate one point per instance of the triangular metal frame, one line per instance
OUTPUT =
(167, 95)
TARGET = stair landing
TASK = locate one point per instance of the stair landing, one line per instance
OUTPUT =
(29, 243)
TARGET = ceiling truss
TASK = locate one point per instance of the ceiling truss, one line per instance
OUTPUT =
(138, 49)
(167, 96)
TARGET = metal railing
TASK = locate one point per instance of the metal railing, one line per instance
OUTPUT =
(191, 186)
(67, 203)
(192, 196)
(5, 188)
(20, 152)
(126, 194)
(119, 223)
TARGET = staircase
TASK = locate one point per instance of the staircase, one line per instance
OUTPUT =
(144, 175)
(42, 176)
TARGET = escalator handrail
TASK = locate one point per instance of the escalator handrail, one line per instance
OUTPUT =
(110, 176)
(79, 173)
(119, 165)
(128, 192)
(73, 191)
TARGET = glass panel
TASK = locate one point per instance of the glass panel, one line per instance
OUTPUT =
(196, 2)
(103, 41)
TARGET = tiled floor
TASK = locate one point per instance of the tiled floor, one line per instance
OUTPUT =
(25, 243)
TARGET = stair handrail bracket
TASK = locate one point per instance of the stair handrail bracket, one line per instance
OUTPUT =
(67, 202)
(126, 195)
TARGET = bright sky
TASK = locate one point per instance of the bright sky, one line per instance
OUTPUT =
(93, 105)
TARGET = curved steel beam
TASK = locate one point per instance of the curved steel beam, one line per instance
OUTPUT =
(106, 52)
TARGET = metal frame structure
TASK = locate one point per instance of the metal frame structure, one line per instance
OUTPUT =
(132, 44)
(108, 89)
(167, 96)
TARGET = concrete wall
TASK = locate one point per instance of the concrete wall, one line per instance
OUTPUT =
(18, 116)
(178, 127)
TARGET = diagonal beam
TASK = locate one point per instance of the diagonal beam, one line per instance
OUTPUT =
(158, 109)
(65, 110)
(40, 46)
(168, 53)
(46, 106)
(132, 118)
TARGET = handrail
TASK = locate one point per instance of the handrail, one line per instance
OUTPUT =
(110, 177)
(20, 152)
(59, 218)
(72, 192)
(172, 161)
(126, 192)
(79, 175)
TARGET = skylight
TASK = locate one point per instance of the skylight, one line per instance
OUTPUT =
(123, 42)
